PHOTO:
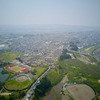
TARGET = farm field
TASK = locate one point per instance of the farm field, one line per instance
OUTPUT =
(15, 85)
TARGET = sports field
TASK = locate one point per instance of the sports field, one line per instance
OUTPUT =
(17, 85)
(17, 69)
(81, 92)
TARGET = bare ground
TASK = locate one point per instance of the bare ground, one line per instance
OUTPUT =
(21, 78)
(58, 88)
(65, 97)
(81, 92)
(50, 96)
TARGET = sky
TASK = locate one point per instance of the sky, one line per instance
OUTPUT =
(67, 12)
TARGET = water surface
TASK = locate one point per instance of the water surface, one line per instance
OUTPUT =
(2, 76)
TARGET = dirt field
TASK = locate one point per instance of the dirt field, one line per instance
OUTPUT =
(81, 92)
(21, 78)
(65, 97)
(50, 96)
(58, 90)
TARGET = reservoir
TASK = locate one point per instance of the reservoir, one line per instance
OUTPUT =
(2, 76)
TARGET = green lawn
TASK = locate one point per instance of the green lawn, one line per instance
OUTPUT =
(13, 84)
(39, 70)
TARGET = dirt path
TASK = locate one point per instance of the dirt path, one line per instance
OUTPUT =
(65, 79)
(5, 93)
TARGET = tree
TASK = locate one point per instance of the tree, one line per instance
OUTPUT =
(74, 47)
(66, 56)
(33, 72)
(1, 84)
(43, 87)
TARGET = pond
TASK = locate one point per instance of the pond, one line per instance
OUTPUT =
(2, 76)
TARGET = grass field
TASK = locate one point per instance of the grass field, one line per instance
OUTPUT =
(54, 77)
(16, 68)
(13, 84)
(9, 56)
(39, 70)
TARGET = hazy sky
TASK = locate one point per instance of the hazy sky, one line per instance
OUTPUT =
(69, 12)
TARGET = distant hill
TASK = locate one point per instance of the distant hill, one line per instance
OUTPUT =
(45, 28)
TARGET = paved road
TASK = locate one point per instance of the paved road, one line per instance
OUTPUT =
(34, 84)
(85, 58)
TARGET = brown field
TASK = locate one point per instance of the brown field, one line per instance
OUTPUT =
(21, 78)
(58, 90)
(16, 68)
(81, 92)
(65, 97)
(50, 96)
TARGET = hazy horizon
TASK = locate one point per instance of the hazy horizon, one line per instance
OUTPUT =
(48, 12)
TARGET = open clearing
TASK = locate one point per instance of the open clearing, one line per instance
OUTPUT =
(21, 78)
(81, 92)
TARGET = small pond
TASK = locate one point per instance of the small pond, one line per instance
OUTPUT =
(2, 76)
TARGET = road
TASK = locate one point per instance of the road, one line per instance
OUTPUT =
(85, 58)
(34, 84)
